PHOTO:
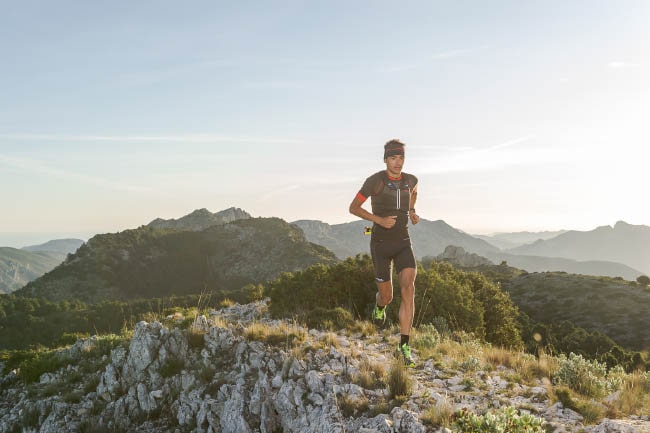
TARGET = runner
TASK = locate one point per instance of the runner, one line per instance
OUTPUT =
(392, 198)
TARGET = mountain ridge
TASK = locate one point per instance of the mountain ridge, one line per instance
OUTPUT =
(622, 243)
(150, 262)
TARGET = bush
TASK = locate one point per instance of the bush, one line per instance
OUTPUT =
(426, 337)
(588, 378)
(505, 420)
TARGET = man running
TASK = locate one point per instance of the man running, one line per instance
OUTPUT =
(392, 197)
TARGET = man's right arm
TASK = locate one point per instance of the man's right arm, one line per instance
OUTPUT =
(356, 209)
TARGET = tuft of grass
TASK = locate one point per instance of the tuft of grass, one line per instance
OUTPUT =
(440, 414)
(399, 380)
(283, 333)
(591, 411)
(195, 337)
(330, 339)
(350, 407)
(363, 327)
(225, 303)
(371, 375)
(634, 398)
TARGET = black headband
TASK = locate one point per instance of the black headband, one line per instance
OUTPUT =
(393, 151)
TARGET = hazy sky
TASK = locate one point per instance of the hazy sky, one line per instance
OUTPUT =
(516, 115)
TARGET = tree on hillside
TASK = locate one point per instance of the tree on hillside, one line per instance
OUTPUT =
(644, 280)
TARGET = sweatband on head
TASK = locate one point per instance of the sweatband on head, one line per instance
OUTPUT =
(394, 151)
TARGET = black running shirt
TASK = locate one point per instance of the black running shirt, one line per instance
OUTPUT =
(389, 197)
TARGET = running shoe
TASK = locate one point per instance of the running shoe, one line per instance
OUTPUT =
(378, 316)
(405, 350)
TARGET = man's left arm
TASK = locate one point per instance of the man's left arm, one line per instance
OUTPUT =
(414, 196)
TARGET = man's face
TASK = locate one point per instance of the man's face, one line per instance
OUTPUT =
(394, 164)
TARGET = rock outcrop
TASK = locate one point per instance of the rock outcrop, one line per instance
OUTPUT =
(226, 375)
(201, 219)
(459, 257)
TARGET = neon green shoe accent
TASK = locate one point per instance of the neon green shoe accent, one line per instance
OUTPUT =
(405, 349)
(379, 315)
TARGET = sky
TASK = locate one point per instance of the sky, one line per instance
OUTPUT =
(516, 115)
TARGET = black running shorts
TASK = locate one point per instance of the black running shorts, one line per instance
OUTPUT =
(385, 252)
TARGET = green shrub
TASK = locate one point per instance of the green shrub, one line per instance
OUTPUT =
(36, 363)
(588, 378)
(427, 337)
(506, 419)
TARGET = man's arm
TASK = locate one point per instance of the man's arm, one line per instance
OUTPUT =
(356, 209)
(414, 196)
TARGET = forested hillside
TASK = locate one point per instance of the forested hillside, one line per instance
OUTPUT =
(148, 262)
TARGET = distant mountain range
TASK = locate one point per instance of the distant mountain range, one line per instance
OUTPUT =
(430, 238)
(623, 250)
(506, 241)
(623, 243)
(20, 266)
(150, 262)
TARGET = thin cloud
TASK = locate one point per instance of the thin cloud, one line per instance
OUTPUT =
(488, 158)
(450, 54)
(406, 66)
(511, 143)
(188, 138)
(44, 169)
(279, 191)
(621, 65)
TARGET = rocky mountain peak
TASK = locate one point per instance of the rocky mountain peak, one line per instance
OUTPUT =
(200, 219)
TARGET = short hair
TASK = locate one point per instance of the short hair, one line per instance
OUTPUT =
(392, 144)
(393, 147)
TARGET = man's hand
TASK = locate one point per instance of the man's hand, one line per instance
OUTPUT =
(415, 218)
(387, 222)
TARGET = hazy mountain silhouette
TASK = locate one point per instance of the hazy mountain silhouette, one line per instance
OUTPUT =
(64, 246)
(624, 243)
(506, 241)
(430, 238)
(546, 264)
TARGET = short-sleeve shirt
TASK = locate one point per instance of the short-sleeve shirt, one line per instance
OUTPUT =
(389, 197)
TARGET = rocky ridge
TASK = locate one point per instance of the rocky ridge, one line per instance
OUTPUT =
(201, 219)
(165, 380)
(459, 257)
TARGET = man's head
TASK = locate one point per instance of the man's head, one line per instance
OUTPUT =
(393, 147)
(394, 157)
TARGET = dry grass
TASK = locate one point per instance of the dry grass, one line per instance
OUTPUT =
(440, 414)
(290, 335)
(634, 398)
(350, 407)
(219, 322)
(224, 303)
(330, 339)
(363, 327)
(527, 366)
(399, 380)
(371, 375)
